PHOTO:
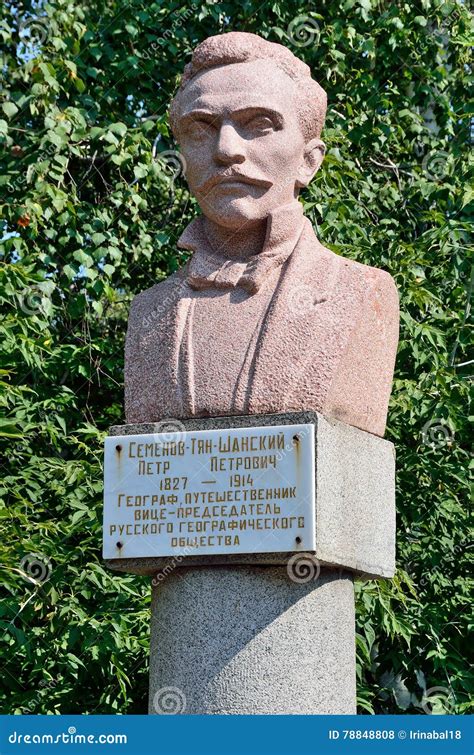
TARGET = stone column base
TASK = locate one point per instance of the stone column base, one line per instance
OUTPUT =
(250, 640)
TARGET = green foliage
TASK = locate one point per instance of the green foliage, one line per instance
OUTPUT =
(90, 217)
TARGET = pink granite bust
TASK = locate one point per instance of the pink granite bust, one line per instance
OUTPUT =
(262, 318)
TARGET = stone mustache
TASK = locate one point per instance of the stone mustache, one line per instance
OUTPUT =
(262, 318)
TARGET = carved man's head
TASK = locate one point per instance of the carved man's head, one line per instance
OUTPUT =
(248, 117)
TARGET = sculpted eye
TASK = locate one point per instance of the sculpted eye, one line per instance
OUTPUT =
(200, 129)
(260, 123)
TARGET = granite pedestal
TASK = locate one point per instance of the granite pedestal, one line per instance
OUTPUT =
(256, 633)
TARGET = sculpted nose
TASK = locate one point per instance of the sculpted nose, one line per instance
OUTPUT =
(229, 147)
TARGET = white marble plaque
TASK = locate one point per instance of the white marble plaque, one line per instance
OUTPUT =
(242, 490)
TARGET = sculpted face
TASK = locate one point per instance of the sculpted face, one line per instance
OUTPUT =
(241, 138)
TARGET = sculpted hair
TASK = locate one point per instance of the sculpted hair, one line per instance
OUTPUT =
(241, 47)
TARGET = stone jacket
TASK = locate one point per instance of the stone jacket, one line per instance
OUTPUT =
(327, 343)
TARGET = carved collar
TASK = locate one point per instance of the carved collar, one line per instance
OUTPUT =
(207, 268)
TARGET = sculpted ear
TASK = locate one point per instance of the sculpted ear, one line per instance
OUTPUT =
(312, 158)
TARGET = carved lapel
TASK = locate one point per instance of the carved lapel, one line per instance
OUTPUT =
(306, 329)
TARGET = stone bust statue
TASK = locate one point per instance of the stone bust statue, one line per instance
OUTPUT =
(262, 318)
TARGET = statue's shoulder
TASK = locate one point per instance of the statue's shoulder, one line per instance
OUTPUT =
(375, 281)
(155, 301)
(378, 284)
